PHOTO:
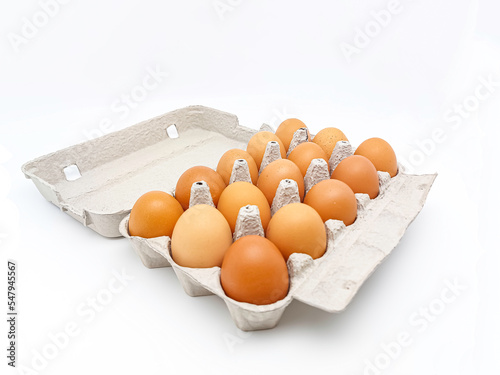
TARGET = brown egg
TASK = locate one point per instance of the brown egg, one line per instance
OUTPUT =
(359, 173)
(226, 162)
(201, 237)
(195, 174)
(254, 271)
(328, 138)
(239, 194)
(154, 214)
(380, 153)
(333, 199)
(276, 171)
(303, 154)
(287, 129)
(258, 143)
(297, 228)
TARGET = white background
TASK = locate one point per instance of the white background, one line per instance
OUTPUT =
(263, 61)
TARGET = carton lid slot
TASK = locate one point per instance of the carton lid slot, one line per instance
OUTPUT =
(71, 172)
(172, 131)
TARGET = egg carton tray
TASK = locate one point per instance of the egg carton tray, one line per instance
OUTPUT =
(113, 171)
(328, 283)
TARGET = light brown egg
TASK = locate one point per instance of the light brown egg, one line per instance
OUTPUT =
(226, 162)
(276, 171)
(297, 228)
(333, 199)
(195, 174)
(254, 271)
(327, 138)
(359, 173)
(201, 237)
(380, 153)
(258, 143)
(303, 154)
(239, 194)
(287, 129)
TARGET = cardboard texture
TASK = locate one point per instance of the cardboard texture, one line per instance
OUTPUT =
(118, 168)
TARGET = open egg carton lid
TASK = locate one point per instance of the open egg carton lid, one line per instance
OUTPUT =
(97, 182)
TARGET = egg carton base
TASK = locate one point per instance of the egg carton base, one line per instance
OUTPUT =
(330, 282)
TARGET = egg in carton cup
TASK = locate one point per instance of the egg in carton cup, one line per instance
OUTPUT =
(329, 282)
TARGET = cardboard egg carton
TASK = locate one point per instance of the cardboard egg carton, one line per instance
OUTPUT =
(116, 169)
(328, 283)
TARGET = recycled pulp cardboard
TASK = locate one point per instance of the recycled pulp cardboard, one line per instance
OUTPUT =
(118, 168)
(328, 283)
